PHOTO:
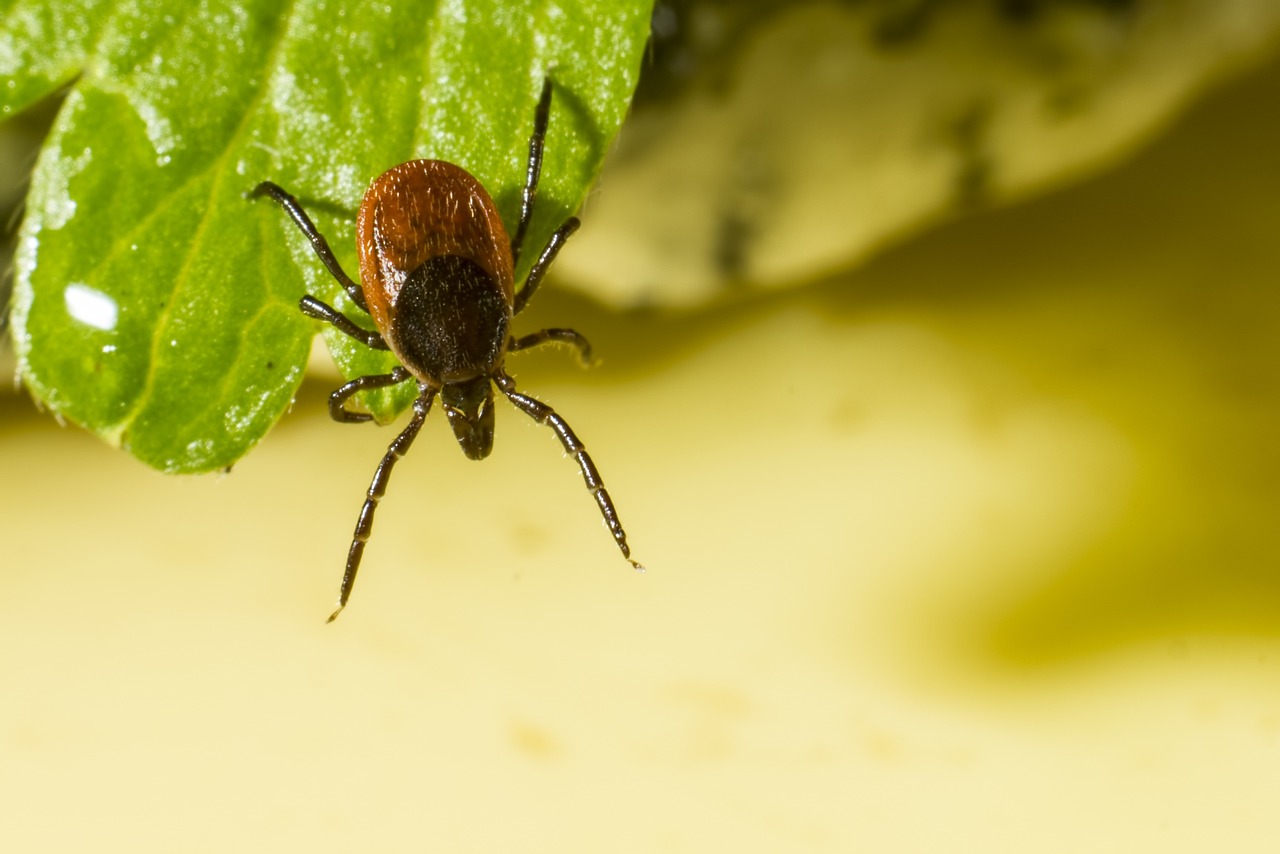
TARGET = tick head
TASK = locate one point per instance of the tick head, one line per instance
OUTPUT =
(469, 405)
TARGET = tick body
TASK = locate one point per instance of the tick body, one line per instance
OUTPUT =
(437, 277)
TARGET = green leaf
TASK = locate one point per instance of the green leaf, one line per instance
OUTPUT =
(153, 303)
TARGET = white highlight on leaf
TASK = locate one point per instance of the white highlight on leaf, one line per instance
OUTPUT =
(159, 128)
(91, 306)
(59, 207)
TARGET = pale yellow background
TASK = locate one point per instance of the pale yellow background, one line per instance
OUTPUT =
(972, 550)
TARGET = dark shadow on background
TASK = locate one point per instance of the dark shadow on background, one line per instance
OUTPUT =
(1192, 228)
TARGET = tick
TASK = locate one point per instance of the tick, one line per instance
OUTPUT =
(437, 275)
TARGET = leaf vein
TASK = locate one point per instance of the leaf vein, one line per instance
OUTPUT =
(218, 168)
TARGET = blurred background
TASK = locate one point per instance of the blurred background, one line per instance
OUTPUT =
(959, 530)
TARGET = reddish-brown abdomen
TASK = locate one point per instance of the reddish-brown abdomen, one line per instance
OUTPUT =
(420, 210)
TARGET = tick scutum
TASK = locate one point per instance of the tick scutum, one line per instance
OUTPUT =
(451, 321)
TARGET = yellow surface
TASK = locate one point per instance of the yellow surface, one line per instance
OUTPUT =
(974, 550)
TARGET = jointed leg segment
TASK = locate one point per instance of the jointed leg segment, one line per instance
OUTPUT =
(543, 414)
(540, 267)
(337, 401)
(541, 117)
(318, 243)
(312, 307)
(545, 336)
(364, 525)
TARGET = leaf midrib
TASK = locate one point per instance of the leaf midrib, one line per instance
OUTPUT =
(218, 167)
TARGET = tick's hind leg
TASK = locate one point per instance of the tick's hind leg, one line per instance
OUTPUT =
(549, 253)
(312, 307)
(541, 116)
(543, 414)
(307, 227)
(545, 336)
(364, 525)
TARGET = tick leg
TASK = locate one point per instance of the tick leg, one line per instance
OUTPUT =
(318, 243)
(543, 414)
(548, 255)
(312, 307)
(540, 119)
(563, 336)
(337, 401)
(364, 525)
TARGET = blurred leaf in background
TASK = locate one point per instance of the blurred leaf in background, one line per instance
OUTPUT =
(156, 306)
(774, 143)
